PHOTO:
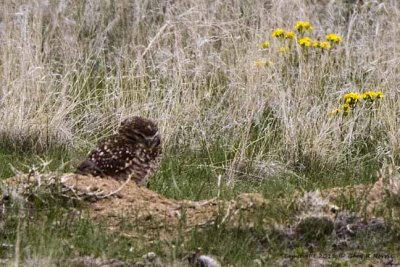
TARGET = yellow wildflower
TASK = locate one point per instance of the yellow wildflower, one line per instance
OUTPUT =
(290, 35)
(379, 94)
(316, 44)
(305, 41)
(263, 63)
(346, 108)
(325, 45)
(351, 98)
(284, 49)
(371, 95)
(278, 33)
(264, 45)
(302, 26)
(334, 38)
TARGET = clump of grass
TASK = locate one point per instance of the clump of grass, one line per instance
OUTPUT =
(60, 235)
(14, 161)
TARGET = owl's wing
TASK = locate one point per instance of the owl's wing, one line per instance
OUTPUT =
(112, 155)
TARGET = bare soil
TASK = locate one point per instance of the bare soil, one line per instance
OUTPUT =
(149, 214)
(139, 212)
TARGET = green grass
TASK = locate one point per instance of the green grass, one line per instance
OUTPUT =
(55, 226)
(194, 175)
(61, 233)
(52, 160)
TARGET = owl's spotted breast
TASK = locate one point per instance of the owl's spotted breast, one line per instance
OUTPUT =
(134, 151)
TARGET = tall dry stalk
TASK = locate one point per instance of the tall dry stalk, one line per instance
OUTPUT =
(69, 70)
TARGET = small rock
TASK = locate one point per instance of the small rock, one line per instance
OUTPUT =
(319, 263)
(97, 262)
(284, 262)
(197, 260)
(349, 224)
(151, 256)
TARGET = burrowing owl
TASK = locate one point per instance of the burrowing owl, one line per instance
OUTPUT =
(134, 151)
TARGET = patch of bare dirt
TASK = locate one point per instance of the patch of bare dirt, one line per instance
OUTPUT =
(140, 212)
(372, 197)
(150, 214)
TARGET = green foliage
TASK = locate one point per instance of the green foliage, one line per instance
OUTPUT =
(26, 159)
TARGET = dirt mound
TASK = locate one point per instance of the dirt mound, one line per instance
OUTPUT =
(375, 198)
(149, 214)
(137, 212)
(140, 212)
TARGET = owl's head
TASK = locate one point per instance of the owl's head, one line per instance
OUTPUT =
(139, 129)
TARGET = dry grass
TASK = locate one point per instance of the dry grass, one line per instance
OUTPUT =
(69, 72)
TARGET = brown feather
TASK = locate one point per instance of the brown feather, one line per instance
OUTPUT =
(134, 151)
